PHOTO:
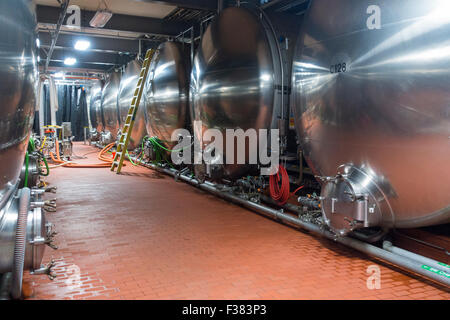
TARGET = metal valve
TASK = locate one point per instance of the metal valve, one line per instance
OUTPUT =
(46, 270)
(326, 179)
(51, 189)
(37, 192)
(37, 204)
(50, 243)
(50, 205)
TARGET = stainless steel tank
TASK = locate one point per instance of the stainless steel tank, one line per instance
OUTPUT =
(126, 92)
(109, 105)
(95, 106)
(236, 79)
(22, 227)
(18, 76)
(167, 91)
(372, 103)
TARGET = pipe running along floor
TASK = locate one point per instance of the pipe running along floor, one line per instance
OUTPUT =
(141, 235)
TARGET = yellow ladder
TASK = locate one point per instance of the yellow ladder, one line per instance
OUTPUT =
(129, 122)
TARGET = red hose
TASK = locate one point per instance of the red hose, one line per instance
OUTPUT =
(281, 194)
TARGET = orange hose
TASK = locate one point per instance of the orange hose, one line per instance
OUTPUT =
(101, 156)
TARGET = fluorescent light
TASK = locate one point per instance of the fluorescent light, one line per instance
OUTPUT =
(82, 45)
(100, 18)
(38, 43)
(70, 61)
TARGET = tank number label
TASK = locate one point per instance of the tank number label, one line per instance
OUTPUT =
(338, 68)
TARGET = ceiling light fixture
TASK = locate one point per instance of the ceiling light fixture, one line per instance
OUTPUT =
(101, 17)
(70, 61)
(82, 45)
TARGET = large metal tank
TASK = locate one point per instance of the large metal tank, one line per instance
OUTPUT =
(109, 105)
(372, 104)
(167, 91)
(236, 81)
(126, 92)
(95, 106)
(22, 227)
(18, 76)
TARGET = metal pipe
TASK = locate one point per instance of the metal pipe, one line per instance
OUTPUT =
(64, 7)
(220, 5)
(363, 247)
(192, 47)
(387, 245)
(41, 107)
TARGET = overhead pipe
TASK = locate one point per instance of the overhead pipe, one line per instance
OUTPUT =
(396, 259)
(220, 5)
(62, 15)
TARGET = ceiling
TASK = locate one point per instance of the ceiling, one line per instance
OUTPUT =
(136, 25)
(128, 7)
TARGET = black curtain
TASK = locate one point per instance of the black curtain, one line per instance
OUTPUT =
(72, 108)
(46, 110)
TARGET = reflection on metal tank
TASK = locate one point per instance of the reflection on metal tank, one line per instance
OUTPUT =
(372, 104)
(95, 106)
(23, 229)
(109, 104)
(234, 79)
(18, 76)
(126, 93)
(167, 90)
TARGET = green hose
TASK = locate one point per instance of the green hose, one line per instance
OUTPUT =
(31, 145)
(26, 170)
(129, 158)
(46, 166)
(154, 141)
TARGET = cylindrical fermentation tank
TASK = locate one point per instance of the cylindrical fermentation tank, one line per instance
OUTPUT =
(18, 75)
(167, 91)
(372, 103)
(109, 105)
(95, 106)
(21, 226)
(126, 92)
(236, 82)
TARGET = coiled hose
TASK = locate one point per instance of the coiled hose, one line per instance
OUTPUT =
(281, 194)
(20, 242)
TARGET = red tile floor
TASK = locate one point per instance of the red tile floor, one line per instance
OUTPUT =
(141, 235)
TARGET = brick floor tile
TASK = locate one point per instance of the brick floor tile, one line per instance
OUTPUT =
(141, 235)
